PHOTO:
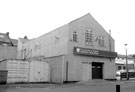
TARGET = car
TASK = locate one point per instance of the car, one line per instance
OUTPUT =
(123, 74)
(118, 74)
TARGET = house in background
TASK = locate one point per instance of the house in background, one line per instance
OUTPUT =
(8, 47)
(121, 62)
(78, 51)
(21, 50)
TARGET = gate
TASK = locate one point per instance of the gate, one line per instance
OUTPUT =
(97, 70)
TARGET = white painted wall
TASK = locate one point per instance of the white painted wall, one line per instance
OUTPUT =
(86, 71)
(39, 71)
(123, 61)
(75, 61)
(51, 44)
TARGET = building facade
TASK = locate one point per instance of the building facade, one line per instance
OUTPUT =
(8, 47)
(78, 51)
(121, 62)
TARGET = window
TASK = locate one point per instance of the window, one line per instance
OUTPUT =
(23, 53)
(37, 46)
(124, 67)
(75, 36)
(101, 41)
(119, 67)
(88, 37)
(122, 58)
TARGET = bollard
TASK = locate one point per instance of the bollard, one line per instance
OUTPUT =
(117, 88)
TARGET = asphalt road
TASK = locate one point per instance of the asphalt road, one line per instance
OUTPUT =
(69, 89)
(81, 87)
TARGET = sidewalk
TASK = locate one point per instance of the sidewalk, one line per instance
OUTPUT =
(28, 85)
(96, 82)
(82, 83)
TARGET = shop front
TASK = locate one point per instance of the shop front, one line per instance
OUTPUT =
(95, 63)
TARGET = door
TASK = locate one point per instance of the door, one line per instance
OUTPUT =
(97, 70)
(39, 71)
(86, 71)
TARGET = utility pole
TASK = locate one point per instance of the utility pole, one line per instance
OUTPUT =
(126, 63)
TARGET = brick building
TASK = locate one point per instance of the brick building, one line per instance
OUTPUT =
(121, 62)
(78, 51)
(8, 47)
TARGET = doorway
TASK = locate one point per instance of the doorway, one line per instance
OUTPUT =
(86, 71)
(97, 70)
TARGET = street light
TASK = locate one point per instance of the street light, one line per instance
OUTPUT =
(126, 62)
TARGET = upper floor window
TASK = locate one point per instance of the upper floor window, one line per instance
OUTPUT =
(119, 68)
(37, 46)
(75, 36)
(88, 37)
(101, 41)
(23, 53)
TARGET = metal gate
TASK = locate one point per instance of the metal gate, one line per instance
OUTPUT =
(97, 70)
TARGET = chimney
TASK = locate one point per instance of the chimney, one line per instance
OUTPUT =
(7, 33)
(25, 37)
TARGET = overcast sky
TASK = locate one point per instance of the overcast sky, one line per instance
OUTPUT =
(37, 17)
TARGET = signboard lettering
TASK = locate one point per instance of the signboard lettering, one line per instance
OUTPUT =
(94, 52)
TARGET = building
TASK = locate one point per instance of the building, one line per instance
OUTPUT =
(21, 50)
(8, 47)
(78, 51)
(121, 62)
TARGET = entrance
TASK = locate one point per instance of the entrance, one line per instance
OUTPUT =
(97, 70)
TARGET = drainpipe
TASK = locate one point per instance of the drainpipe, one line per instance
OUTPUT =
(62, 69)
(67, 71)
(110, 45)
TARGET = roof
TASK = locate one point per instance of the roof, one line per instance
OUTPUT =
(5, 39)
(95, 21)
(15, 42)
(124, 56)
(121, 59)
(22, 40)
(124, 62)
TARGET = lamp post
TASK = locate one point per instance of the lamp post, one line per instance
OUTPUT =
(126, 62)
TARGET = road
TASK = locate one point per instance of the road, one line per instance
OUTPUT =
(82, 87)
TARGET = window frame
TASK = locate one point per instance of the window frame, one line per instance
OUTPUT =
(88, 37)
(75, 36)
(119, 67)
(101, 41)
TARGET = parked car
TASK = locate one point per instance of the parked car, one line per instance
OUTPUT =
(123, 74)
(118, 74)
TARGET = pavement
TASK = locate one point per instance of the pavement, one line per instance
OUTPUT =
(51, 85)
(83, 86)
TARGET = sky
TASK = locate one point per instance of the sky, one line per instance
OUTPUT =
(37, 17)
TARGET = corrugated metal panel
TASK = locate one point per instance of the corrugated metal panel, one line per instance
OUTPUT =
(24, 71)
(3, 76)
(38, 71)
(11, 65)
(17, 71)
